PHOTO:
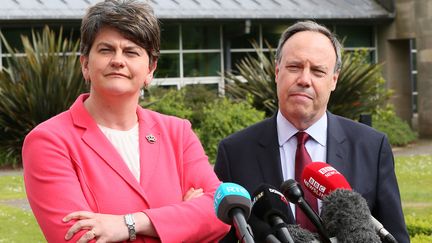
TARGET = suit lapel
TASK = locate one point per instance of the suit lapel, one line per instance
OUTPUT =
(336, 145)
(268, 153)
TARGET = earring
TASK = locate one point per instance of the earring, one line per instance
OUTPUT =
(142, 94)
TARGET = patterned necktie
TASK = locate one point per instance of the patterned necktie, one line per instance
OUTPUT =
(302, 159)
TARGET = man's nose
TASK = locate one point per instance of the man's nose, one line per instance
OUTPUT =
(305, 77)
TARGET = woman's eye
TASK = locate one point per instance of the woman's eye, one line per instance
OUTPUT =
(104, 50)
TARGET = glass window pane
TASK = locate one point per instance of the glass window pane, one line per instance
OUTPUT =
(236, 58)
(169, 36)
(272, 32)
(240, 36)
(196, 36)
(13, 37)
(355, 36)
(201, 64)
(168, 66)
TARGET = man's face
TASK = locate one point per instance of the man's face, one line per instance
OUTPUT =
(305, 77)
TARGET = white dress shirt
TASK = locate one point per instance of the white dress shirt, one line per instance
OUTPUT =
(316, 145)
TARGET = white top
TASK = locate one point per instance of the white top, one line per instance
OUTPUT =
(316, 145)
(127, 145)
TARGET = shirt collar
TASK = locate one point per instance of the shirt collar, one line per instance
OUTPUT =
(286, 130)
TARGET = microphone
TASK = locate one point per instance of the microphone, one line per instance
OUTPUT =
(261, 230)
(292, 190)
(322, 180)
(301, 235)
(347, 217)
(233, 206)
(269, 205)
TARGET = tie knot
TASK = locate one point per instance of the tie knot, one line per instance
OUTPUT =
(302, 137)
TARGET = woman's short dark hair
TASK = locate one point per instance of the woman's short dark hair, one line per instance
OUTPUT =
(133, 19)
(315, 27)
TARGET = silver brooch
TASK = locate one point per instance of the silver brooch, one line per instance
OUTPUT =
(150, 138)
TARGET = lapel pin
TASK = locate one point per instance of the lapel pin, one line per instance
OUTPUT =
(150, 138)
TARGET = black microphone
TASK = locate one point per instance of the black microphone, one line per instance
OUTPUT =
(262, 231)
(233, 205)
(270, 205)
(347, 216)
(292, 190)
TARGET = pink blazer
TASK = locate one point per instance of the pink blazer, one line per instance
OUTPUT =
(69, 165)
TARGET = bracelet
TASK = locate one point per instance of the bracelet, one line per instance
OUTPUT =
(130, 223)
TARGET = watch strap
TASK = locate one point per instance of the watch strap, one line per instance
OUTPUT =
(130, 223)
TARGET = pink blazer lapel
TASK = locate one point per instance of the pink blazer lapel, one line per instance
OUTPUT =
(96, 140)
(150, 142)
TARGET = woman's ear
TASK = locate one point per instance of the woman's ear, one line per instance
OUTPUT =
(84, 67)
(149, 76)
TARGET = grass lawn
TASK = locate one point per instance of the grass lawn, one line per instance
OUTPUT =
(17, 225)
(414, 175)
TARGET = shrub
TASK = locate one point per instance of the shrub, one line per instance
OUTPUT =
(255, 78)
(398, 131)
(419, 225)
(223, 117)
(171, 102)
(36, 87)
(360, 88)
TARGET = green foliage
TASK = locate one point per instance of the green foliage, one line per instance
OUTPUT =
(398, 131)
(187, 102)
(414, 172)
(421, 239)
(256, 77)
(419, 226)
(171, 102)
(36, 87)
(212, 118)
(360, 88)
(223, 117)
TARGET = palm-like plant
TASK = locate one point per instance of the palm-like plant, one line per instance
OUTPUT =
(255, 77)
(36, 86)
(360, 87)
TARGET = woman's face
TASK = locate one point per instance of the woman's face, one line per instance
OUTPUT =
(115, 65)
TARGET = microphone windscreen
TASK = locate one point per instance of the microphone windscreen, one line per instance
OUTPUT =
(321, 179)
(301, 235)
(267, 201)
(346, 215)
(229, 196)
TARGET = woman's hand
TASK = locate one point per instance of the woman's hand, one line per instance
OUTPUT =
(101, 227)
(193, 193)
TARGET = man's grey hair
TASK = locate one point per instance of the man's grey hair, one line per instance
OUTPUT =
(309, 25)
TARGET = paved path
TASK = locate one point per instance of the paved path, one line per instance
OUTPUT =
(421, 147)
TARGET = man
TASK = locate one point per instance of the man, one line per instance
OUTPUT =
(308, 62)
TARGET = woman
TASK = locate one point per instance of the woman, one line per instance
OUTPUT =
(108, 170)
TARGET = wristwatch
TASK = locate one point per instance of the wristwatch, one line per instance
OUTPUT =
(130, 223)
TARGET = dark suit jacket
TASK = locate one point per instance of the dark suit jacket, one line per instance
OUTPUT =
(363, 155)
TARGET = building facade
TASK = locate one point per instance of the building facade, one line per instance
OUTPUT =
(202, 39)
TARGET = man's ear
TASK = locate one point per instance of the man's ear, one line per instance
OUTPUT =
(334, 80)
(276, 71)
